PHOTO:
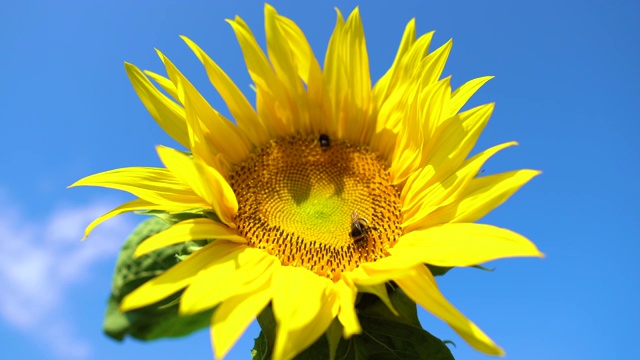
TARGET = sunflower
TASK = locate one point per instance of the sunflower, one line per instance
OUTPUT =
(328, 187)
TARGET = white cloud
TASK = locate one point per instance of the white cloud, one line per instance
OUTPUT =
(41, 259)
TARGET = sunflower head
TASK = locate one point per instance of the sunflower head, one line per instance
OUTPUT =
(326, 208)
(321, 187)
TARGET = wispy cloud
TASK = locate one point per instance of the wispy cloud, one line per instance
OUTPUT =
(41, 259)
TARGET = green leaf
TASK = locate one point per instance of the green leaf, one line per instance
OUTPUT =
(260, 348)
(438, 270)
(387, 336)
(334, 335)
(263, 345)
(480, 267)
(158, 320)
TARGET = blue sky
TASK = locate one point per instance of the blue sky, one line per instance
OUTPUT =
(567, 87)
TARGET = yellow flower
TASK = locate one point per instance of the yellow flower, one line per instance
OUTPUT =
(328, 187)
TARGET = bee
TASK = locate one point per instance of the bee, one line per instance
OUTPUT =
(359, 228)
(324, 141)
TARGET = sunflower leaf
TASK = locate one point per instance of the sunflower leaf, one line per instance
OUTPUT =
(334, 335)
(388, 336)
(263, 344)
(480, 267)
(438, 270)
(259, 347)
(158, 320)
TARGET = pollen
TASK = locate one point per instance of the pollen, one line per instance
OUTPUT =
(297, 197)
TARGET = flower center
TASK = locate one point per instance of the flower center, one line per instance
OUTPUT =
(317, 203)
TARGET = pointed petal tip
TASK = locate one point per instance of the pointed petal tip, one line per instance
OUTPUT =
(233, 21)
(269, 8)
(355, 17)
(161, 148)
(532, 172)
(130, 68)
(126, 304)
(160, 54)
(79, 183)
(137, 253)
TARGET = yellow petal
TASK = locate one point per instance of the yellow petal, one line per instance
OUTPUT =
(391, 113)
(137, 204)
(481, 196)
(233, 316)
(347, 315)
(422, 289)
(272, 103)
(380, 271)
(462, 244)
(420, 200)
(403, 85)
(205, 181)
(209, 132)
(176, 278)
(381, 88)
(407, 70)
(301, 316)
(169, 115)
(407, 154)
(487, 192)
(283, 63)
(166, 84)
(355, 60)
(310, 72)
(410, 63)
(156, 185)
(464, 93)
(188, 230)
(335, 74)
(238, 105)
(434, 63)
(383, 142)
(434, 102)
(454, 139)
(305, 60)
(239, 272)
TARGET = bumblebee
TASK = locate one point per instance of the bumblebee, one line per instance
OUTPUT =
(359, 228)
(324, 141)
